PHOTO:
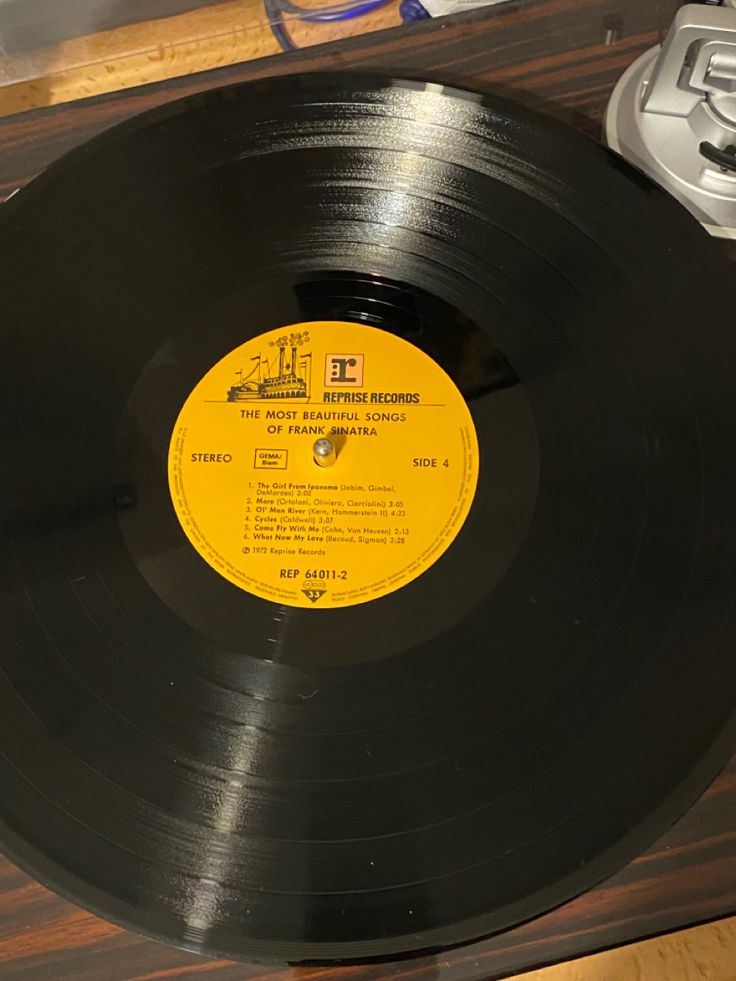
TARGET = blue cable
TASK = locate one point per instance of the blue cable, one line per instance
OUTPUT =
(323, 15)
(412, 10)
(275, 10)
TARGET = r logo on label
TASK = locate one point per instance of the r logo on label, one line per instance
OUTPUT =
(344, 369)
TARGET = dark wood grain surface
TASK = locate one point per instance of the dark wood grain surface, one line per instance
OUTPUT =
(563, 57)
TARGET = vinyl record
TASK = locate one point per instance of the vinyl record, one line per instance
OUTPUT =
(258, 706)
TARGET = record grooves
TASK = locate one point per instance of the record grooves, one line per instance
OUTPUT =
(273, 709)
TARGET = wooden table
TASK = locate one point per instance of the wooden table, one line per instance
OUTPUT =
(563, 57)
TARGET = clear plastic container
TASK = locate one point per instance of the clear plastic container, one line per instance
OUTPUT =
(55, 51)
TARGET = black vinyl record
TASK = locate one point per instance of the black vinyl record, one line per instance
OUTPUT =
(251, 777)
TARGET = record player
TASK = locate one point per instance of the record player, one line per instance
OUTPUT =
(589, 229)
(673, 113)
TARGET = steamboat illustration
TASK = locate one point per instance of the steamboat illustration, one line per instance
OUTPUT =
(285, 376)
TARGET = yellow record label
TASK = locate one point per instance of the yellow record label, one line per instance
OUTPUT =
(323, 465)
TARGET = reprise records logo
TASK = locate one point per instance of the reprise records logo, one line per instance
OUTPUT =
(344, 370)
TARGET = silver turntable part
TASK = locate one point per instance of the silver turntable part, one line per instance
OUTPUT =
(673, 114)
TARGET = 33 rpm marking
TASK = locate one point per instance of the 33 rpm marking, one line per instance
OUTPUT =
(254, 501)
